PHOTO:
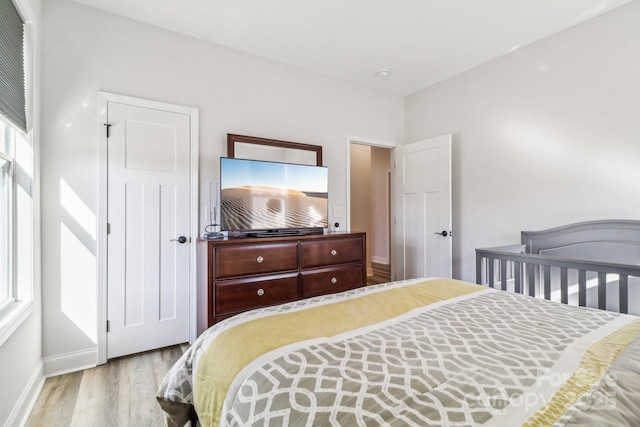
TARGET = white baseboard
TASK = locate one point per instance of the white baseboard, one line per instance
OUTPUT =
(70, 362)
(380, 260)
(20, 413)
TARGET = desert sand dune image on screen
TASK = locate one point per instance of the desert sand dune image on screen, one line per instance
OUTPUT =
(252, 207)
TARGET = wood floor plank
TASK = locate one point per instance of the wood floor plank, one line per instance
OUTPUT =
(163, 360)
(137, 403)
(56, 402)
(97, 397)
(119, 393)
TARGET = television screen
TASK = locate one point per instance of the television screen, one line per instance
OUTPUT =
(260, 195)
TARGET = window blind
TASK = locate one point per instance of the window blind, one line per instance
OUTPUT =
(12, 80)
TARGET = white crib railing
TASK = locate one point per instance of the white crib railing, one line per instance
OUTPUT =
(585, 283)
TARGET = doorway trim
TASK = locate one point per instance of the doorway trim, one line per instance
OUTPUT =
(103, 100)
(353, 139)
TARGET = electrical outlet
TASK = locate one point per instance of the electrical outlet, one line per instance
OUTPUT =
(337, 212)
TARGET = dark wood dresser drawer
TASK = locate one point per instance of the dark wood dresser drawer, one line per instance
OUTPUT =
(329, 280)
(245, 294)
(331, 252)
(244, 260)
(240, 274)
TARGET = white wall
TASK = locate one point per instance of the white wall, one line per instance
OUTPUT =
(20, 355)
(85, 51)
(369, 204)
(360, 203)
(545, 136)
(22, 377)
(379, 236)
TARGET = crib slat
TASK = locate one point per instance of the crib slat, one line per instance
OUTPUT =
(490, 262)
(623, 294)
(582, 288)
(602, 291)
(517, 266)
(503, 274)
(547, 282)
(531, 279)
(564, 286)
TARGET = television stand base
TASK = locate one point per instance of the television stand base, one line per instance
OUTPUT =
(277, 233)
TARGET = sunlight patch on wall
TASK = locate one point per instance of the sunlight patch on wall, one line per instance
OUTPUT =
(78, 269)
(78, 210)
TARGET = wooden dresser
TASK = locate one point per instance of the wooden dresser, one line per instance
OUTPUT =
(247, 273)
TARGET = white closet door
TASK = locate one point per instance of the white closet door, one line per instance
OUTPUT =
(148, 211)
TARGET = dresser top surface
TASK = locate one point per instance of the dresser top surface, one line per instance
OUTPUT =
(266, 240)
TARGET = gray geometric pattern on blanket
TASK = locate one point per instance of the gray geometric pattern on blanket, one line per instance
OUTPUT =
(454, 365)
(177, 386)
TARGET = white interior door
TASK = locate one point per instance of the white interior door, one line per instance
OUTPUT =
(423, 209)
(148, 210)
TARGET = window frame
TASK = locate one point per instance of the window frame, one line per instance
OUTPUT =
(9, 157)
(21, 306)
(17, 307)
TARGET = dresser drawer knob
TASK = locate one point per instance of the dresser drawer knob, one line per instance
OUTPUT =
(334, 252)
(260, 292)
(260, 259)
(334, 280)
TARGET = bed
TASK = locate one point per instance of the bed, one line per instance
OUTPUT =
(421, 352)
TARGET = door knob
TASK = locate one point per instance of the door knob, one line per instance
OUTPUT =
(180, 239)
(443, 234)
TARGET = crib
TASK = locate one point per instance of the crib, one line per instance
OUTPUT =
(592, 264)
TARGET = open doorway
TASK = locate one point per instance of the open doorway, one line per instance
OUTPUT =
(370, 204)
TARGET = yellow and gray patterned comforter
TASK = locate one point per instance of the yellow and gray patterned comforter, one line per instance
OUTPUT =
(423, 352)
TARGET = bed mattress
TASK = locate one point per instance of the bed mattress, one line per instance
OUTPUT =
(422, 352)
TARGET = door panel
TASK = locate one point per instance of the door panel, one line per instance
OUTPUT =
(413, 234)
(134, 247)
(169, 252)
(148, 208)
(140, 136)
(423, 208)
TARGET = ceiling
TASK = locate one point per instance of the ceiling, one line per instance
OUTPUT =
(420, 42)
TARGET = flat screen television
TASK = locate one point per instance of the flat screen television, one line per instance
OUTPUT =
(264, 199)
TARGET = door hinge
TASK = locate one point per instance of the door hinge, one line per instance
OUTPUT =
(108, 125)
(108, 325)
(108, 228)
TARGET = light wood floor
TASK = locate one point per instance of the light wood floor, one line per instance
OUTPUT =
(118, 393)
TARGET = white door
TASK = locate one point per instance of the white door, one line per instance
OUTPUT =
(148, 211)
(423, 209)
